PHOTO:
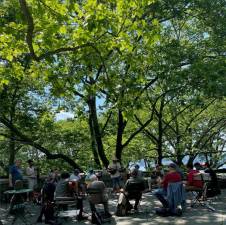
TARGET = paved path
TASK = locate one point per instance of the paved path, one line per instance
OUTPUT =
(146, 215)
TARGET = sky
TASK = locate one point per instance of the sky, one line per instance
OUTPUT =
(64, 115)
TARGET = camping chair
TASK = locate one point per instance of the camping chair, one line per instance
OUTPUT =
(200, 194)
(134, 191)
(97, 197)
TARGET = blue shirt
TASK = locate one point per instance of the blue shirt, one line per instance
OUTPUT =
(16, 173)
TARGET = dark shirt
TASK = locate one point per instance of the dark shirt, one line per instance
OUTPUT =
(48, 191)
(135, 184)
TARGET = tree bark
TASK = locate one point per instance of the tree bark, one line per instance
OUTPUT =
(93, 143)
(12, 151)
(121, 127)
(96, 128)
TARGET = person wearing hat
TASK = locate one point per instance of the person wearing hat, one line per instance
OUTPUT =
(171, 177)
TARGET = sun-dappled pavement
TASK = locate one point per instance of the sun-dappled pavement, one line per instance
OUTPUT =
(193, 216)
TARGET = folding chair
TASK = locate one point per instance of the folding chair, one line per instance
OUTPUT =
(134, 192)
(98, 197)
(200, 194)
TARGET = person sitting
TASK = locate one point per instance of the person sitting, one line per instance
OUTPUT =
(97, 195)
(63, 190)
(137, 167)
(88, 176)
(213, 188)
(171, 177)
(156, 175)
(133, 188)
(193, 183)
(198, 166)
(75, 176)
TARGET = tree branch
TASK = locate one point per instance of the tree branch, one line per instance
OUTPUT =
(26, 140)
(29, 36)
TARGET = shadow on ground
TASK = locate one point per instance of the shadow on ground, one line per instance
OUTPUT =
(146, 216)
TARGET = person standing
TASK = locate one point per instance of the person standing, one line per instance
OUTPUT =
(31, 173)
(114, 170)
(15, 173)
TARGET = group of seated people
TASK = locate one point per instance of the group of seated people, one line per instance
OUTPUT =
(70, 187)
(191, 182)
(133, 188)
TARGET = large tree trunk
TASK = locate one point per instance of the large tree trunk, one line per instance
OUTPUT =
(121, 127)
(159, 144)
(179, 159)
(96, 129)
(93, 143)
(191, 159)
(12, 151)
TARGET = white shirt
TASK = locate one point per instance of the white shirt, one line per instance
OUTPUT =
(74, 177)
(31, 172)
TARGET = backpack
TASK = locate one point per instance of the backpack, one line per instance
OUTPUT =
(121, 208)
